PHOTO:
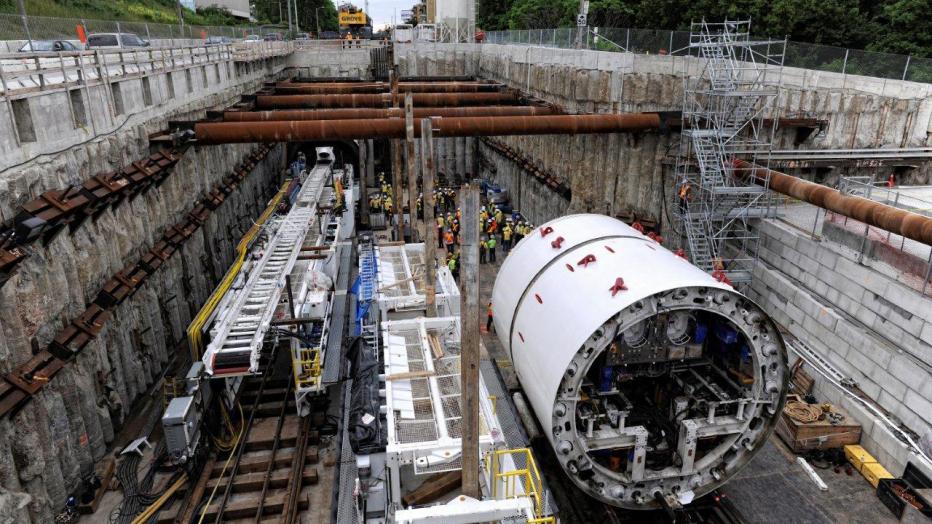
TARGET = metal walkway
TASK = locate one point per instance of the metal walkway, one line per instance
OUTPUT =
(236, 338)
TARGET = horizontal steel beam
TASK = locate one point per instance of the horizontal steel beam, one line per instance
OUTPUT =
(373, 113)
(297, 131)
(382, 100)
(899, 221)
(382, 87)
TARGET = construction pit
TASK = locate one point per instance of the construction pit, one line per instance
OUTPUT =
(226, 290)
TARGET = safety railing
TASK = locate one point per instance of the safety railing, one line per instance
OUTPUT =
(32, 71)
(522, 481)
(659, 42)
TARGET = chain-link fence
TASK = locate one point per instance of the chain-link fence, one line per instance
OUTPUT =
(14, 30)
(658, 42)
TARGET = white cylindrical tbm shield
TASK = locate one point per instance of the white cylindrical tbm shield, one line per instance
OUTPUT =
(654, 381)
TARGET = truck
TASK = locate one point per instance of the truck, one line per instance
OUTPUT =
(354, 21)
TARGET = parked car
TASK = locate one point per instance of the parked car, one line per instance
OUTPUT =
(114, 41)
(252, 39)
(273, 37)
(48, 46)
(218, 40)
(302, 37)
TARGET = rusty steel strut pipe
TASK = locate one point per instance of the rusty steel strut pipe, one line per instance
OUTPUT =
(371, 113)
(381, 100)
(422, 87)
(297, 131)
(899, 221)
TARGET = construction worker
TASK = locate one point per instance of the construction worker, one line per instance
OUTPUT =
(493, 227)
(440, 226)
(489, 326)
(506, 238)
(685, 193)
(490, 245)
(455, 227)
(387, 208)
(449, 240)
(452, 266)
(519, 232)
(498, 215)
(483, 250)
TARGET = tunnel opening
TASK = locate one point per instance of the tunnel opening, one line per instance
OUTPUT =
(656, 374)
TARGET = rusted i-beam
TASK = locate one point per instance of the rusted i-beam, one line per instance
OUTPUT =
(288, 131)
(899, 221)
(382, 100)
(352, 113)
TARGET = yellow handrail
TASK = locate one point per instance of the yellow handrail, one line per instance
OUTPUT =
(194, 329)
(529, 478)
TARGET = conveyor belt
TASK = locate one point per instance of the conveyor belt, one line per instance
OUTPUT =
(333, 357)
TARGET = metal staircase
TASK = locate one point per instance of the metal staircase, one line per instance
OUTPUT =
(723, 115)
(237, 336)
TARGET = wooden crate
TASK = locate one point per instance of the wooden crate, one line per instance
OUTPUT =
(818, 435)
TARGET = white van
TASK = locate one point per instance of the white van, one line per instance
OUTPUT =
(114, 41)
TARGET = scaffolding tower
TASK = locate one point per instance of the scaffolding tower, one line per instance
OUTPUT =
(725, 109)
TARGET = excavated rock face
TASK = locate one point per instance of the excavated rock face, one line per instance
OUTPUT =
(48, 446)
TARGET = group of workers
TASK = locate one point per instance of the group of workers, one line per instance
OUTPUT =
(495, 228)
(382, 201)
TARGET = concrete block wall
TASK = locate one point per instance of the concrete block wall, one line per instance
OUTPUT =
(866, 324)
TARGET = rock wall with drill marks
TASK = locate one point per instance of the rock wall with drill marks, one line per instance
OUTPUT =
(456, 157)
(629, 173)
(47, 447)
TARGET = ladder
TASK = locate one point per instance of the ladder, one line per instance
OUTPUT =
(236, 338)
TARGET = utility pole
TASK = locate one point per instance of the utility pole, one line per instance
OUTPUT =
(288, 8)
(297, 26)
(22, 13)
(181, 17)
(469, 339)
(430, 227)
(411, 158)
(582, 22)
(317, 20)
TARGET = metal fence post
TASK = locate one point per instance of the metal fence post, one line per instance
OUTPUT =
(628, 39)
(670, 49)
(844, 65)
(906, 67)
(118, 28)
(148, 36)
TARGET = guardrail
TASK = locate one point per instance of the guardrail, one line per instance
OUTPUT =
(22, 73)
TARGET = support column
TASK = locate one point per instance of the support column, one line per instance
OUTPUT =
(411, 158)
(430, 226)
(398, 190)
(469, 344)
(364, 153)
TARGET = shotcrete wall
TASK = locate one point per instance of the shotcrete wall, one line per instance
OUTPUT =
(56, 438)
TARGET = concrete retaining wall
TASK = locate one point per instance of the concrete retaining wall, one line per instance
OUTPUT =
(867, 324)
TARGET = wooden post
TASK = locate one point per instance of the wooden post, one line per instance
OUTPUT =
(411, 158)
(430, 226)
(469, 344)
(364, 154)
(398, 190)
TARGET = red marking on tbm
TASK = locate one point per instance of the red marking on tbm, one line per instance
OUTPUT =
(618, 286)
(539, 300)
(586, 260)
(570, 268)
(609, 249)
(556, 244)
(544, 231)
(520, 335)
